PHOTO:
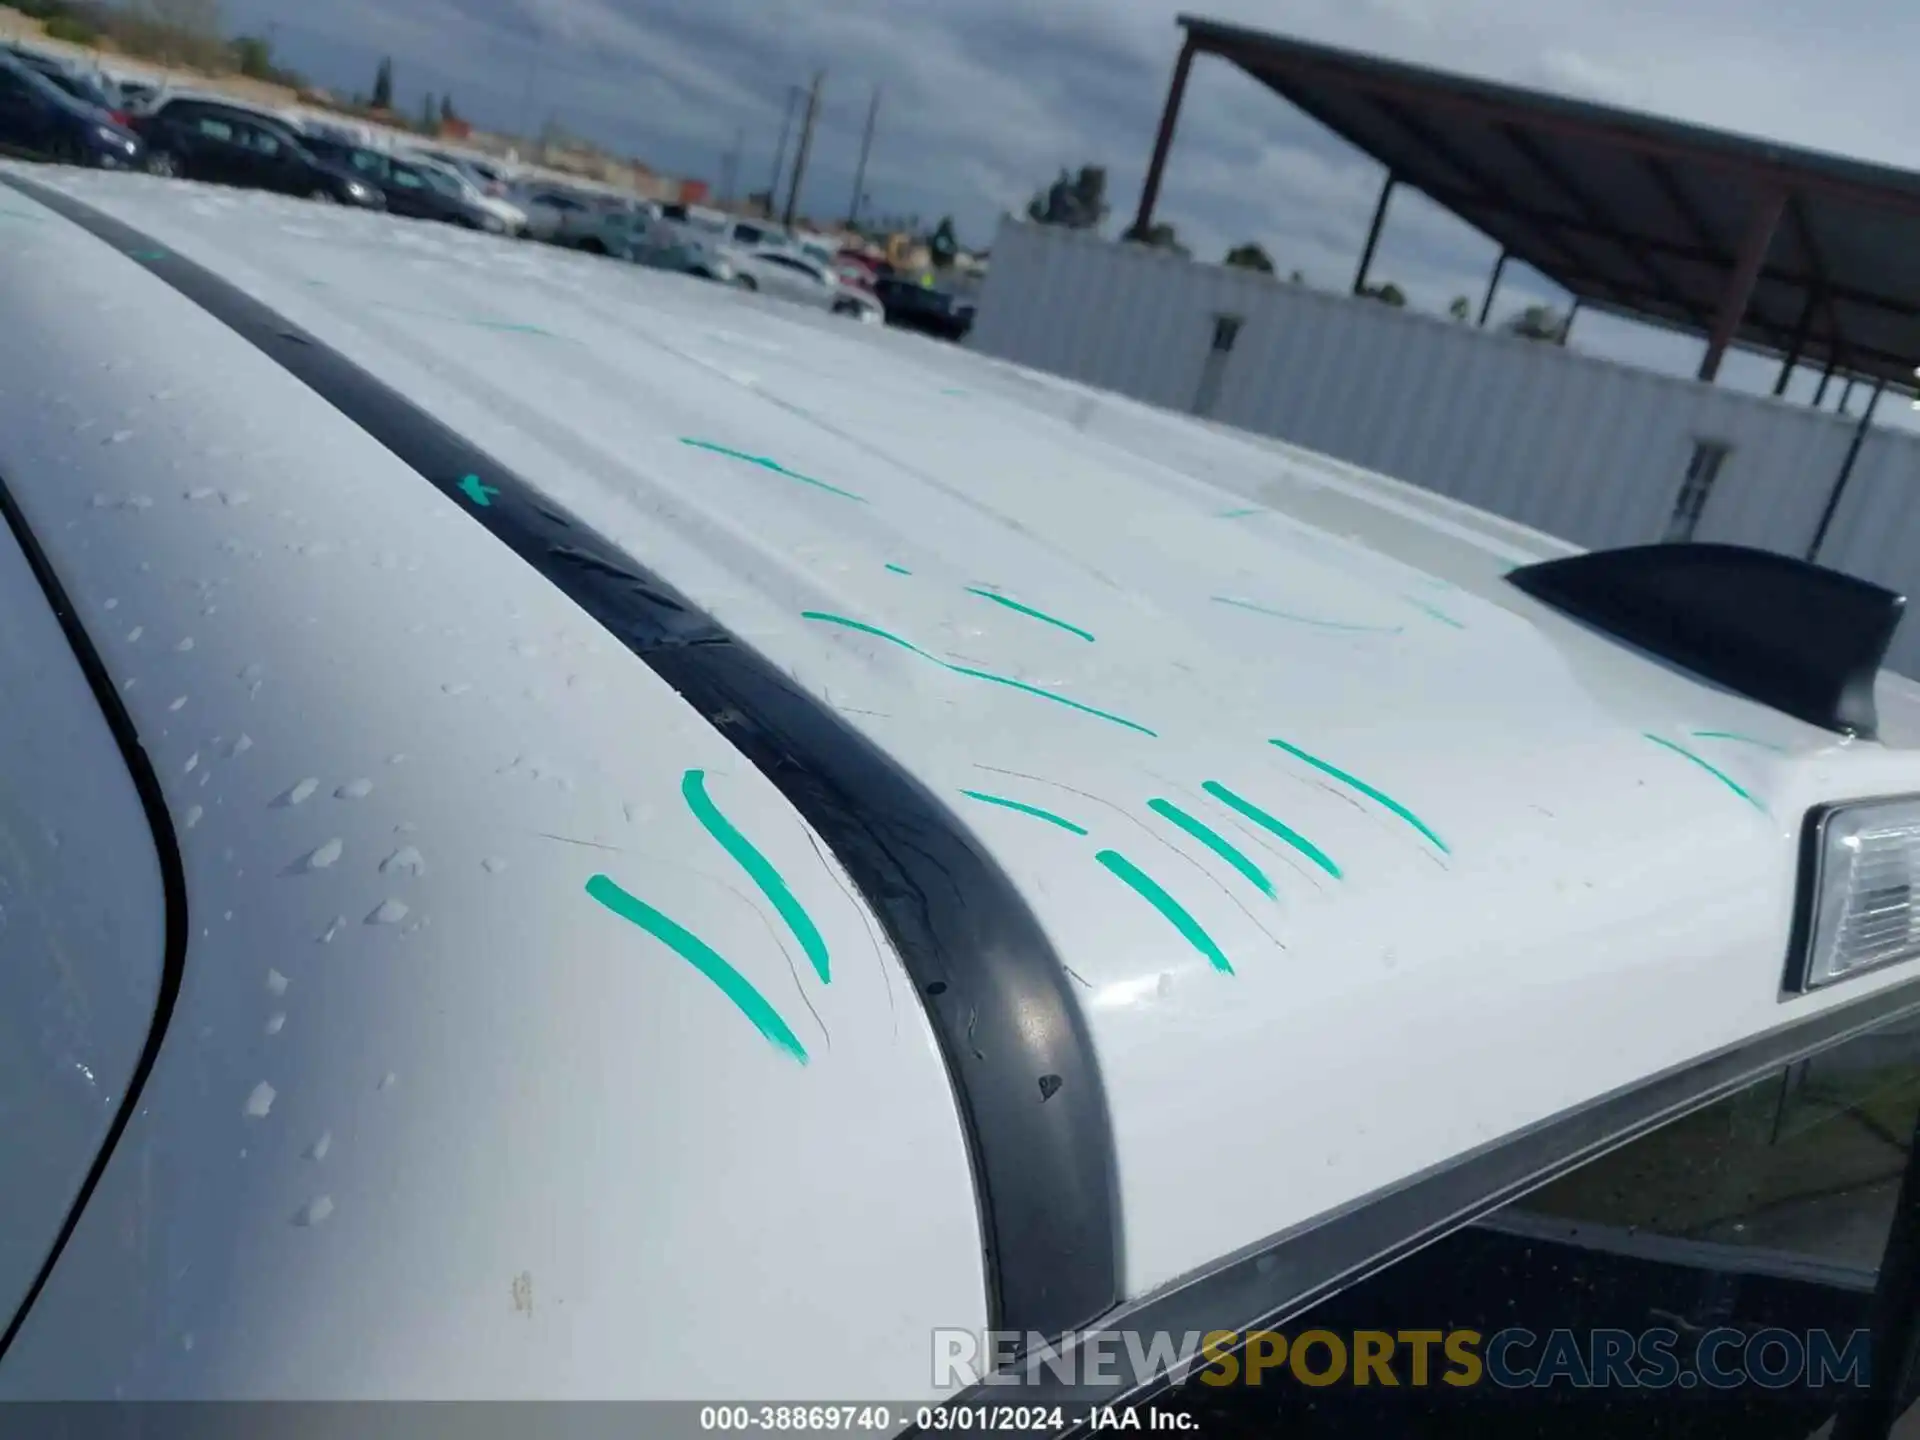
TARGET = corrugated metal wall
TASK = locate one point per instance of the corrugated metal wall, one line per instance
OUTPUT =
(1586, 449)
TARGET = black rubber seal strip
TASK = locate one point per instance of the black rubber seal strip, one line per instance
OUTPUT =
(1274, 1281)
(173, 883)
(1015, 1042)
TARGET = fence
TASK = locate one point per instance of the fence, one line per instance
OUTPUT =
(1590, 450)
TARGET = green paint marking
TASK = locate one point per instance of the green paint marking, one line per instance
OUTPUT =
(146, 254)
(899, 569)
(23, 215)
(1734, 735)
(1028, 610)
(1267, 822)
(1434, 611)
(774, 465)
(1307, 619)
(1713, 770)
(1365, 789)
(1215, 842)
(693, 789)
(1239, 514)
(968, 670)
(1033, 810)
(1145, 885)
(481, 495)
(690, 947)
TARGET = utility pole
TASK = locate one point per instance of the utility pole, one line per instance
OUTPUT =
(800, 151)
(860, 172)
(780, 151)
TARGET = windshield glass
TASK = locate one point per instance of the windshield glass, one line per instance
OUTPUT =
(39, 84)
(444, 181)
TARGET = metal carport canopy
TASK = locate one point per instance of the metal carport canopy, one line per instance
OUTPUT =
(1803, 254)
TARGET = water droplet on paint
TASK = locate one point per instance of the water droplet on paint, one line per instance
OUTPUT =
(186, 1342)
(395, 759)
(314, 1212)
(406, 861)
(234, 497)
(252, 671)
(193, 763)
(276, 983)
(456, 687)
(179, 703)
(119, 437)
(275, 1021)
(295, 794)
(387, 912)
(185, 645)
(493, 865)
(135, 633)
(318, 1150)
(333, 929)
(387, 1081)
(201, 492)
(240, 746)
(354, 790)
(259, 1101)
(321, 856)
(194, 812)
(111, 605)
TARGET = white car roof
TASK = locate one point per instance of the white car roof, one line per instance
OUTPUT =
(1328, 856)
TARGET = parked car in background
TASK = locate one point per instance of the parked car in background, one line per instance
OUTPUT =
(931, 309)
(417, 191)
(89, 87)
(664, 249)
(791, 276)
(574, 218)
(513, 220)
(39, 119)
(197, 139)
(490, 179)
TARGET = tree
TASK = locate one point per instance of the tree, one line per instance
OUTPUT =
(1540, 322)
(447, 113)
(383, 85)
(1460, 308)
(1249, 257)
(429, 115)
(1077, 202)
(1387, 293)
(253, 57)
(943, 247)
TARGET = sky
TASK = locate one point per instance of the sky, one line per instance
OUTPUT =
(984, 101)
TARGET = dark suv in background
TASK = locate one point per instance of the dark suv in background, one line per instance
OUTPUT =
(412, 190)
(40, 120)
(203, 140)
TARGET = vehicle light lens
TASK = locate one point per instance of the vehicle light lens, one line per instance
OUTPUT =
(1866, 871)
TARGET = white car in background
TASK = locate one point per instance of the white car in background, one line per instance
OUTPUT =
(538, 865)
(788, 274)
